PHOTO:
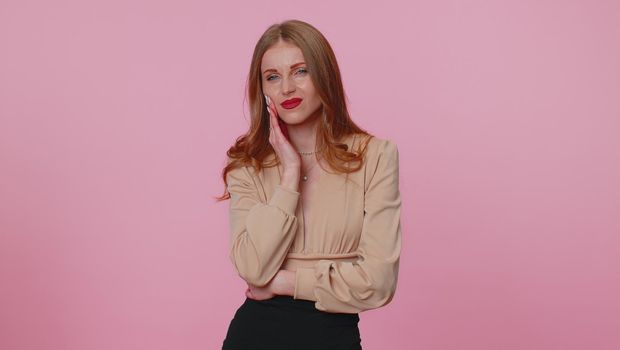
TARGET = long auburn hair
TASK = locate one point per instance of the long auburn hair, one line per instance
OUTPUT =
(253, 147)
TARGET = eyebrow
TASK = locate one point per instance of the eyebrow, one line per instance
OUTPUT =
(293, 66)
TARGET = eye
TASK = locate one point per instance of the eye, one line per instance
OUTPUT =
(300, 70)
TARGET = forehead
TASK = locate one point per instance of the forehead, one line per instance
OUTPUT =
(281, 56)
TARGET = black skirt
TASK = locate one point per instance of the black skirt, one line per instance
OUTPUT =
(286, 323)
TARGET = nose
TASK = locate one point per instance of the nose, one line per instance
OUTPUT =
(288, 85)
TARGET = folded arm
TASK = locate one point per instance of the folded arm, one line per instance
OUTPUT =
(260, 233)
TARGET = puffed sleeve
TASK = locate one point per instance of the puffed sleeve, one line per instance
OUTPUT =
(260, 233)
(370, 281)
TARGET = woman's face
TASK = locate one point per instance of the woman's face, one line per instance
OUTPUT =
(285, 76)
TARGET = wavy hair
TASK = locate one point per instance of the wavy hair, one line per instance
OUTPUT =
(253, 147)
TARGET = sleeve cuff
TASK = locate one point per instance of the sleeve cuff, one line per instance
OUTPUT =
(285, 199)
(304, 284)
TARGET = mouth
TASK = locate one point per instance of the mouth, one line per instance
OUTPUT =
(292, 103)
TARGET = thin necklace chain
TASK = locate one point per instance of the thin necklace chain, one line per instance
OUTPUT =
(307, 153)
(305, 176)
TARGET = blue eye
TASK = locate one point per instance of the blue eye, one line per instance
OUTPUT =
(300, 70)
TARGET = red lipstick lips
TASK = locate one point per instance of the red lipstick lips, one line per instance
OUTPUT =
(291, 103)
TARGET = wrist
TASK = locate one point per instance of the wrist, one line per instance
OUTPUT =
(290, 180)
(285, 283)
(291, 173)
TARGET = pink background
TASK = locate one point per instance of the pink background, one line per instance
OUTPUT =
(115, 117)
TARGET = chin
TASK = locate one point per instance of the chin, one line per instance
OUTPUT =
(291, 120)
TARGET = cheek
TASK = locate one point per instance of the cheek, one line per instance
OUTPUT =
(267, 89)
(304, 83)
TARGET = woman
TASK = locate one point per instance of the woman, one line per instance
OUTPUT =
(315, 203)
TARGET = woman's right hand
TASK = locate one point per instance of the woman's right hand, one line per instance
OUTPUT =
(289, 158)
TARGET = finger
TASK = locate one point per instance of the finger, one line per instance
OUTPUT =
(271, 132)
(275, 119)
(273, 122)
(270, 126)
(271, 106)
(275, 128)
(279, 134)
(269, 113)
(274, 110)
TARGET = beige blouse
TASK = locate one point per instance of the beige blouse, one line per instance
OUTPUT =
(350, 259)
